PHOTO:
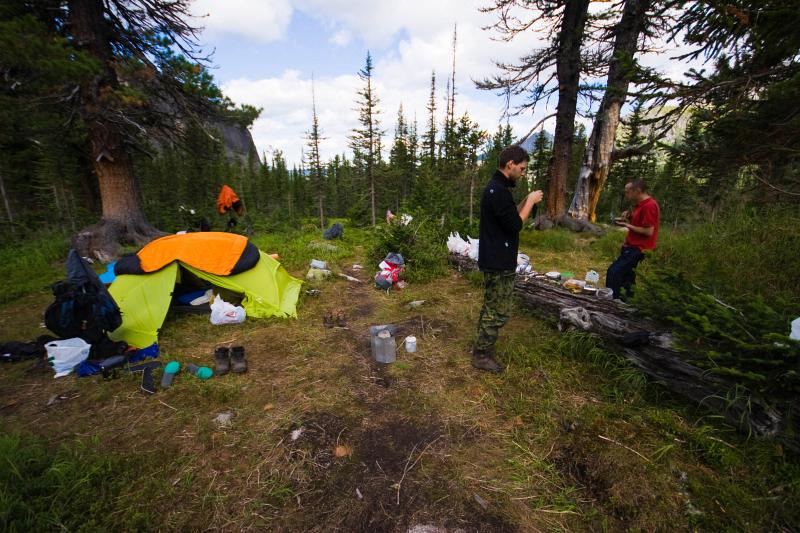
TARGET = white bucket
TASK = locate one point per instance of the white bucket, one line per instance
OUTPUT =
(411, 344)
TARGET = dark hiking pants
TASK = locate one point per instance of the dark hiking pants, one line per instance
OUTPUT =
(497, 302)
(621, 275)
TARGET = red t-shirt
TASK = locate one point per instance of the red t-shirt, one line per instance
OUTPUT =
(646, 214)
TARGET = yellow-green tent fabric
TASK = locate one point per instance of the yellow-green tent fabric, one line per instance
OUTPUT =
(144, 299)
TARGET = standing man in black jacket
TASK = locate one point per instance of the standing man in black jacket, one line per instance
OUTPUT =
(501, 222)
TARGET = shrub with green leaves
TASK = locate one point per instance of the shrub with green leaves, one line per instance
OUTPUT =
(744, 339)
(422, 243)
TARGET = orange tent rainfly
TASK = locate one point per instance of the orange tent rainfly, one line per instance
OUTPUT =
(212, 252)
(228, 200)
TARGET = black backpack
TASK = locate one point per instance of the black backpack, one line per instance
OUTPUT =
(82, 307)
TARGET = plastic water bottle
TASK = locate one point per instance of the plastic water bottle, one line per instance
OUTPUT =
(385, 347)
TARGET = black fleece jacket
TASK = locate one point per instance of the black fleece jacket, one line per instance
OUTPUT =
(500, 226)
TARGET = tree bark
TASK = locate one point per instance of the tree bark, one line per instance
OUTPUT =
(568, 70)
(123, 219)
(598, 158)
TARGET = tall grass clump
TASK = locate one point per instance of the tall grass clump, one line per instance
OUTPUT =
(299, 243)
(742, 254)
(555, 240)
(75, 488)
(31, 266)
(624, 378)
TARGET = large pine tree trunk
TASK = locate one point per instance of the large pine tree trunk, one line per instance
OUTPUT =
(597, 160)
(568, 69)
(123, 219)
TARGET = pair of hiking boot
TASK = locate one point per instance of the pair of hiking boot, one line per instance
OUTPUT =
(229, 360)
(484, 360)
(335, 318)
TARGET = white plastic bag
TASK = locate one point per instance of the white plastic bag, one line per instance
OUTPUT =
(65, 355)
(473, 248)
(224, 313)
(457, 245)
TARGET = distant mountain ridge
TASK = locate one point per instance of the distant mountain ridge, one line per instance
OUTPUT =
(530, 141)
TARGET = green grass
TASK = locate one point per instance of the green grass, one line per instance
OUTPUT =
(739, 255)
(528, 441)
(31, 266)
(298, 246)
(76, 487)
(561, 250)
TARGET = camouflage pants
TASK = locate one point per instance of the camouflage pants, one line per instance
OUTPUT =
(497, 302)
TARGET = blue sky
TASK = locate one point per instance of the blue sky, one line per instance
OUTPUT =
(267, 50)
(305, 47)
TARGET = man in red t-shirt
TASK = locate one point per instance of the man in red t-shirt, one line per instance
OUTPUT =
(642, 227)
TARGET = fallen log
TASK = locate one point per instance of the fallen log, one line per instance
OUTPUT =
(650, 349)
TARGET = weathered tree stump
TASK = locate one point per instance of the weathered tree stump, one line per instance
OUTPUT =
(655, 354)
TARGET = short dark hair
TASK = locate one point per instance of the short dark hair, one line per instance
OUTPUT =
(515, 153)
(639, 184)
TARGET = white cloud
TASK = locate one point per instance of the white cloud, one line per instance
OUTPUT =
(402, 72)
(401, 75)
(261, 20)
(286, 101)
(341, 38)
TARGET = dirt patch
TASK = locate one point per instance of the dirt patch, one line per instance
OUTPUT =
(363, 304)
(383, 473)
(421, 326)
(315, 437)
(623, 486)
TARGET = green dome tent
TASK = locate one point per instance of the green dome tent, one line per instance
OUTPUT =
(144, 294)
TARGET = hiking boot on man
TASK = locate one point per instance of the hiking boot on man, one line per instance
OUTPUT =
(484, 361)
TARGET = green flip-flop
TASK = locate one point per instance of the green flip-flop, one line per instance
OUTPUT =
(202, 372)
(172, 368)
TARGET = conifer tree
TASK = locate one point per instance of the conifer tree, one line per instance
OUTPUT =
(639, 166)
(281, 194)
(365, 140)
(401, 159)
(428, 158)
(637, 20)
(540, 158)
(316, 173)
